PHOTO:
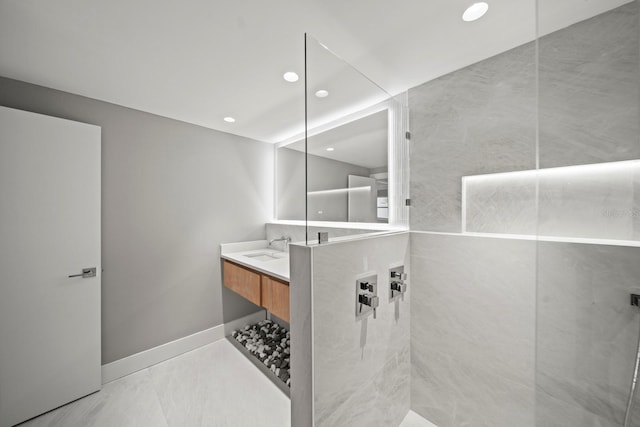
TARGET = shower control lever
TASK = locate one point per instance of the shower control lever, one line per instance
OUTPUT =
(399, 287)
(367, 299)
(370, 301)
(366, 286)
(397, 282)
(398, 275)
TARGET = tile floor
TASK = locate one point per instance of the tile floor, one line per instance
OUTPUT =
(213, 386)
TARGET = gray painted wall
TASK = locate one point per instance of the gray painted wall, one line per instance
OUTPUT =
(172, 192)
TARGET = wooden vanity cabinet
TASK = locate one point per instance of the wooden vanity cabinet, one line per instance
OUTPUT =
(275, 297)
(259, 288)
(242, 281)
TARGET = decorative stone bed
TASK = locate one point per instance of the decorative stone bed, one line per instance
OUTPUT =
(270, 343)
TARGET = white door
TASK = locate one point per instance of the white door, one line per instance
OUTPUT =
(49, 230)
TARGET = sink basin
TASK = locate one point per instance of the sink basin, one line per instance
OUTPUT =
(265, 256)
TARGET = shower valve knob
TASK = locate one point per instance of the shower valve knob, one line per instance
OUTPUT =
(366, 297)
(369, 300)
(366, 286)
(399, 287)
(398, 275)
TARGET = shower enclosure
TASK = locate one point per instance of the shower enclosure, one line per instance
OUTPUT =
(520, 203)
(588, 217)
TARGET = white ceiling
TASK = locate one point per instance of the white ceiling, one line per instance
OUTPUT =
(201, 60)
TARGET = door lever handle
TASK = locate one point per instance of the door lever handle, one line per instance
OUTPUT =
(86, 272)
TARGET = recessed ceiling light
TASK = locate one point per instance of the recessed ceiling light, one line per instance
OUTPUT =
(330, 149)
(290, 76)
(475, 11)
(229, 119)
(322, 93)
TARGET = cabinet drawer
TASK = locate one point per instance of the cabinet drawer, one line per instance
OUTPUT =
(275, 297)
(242, 281)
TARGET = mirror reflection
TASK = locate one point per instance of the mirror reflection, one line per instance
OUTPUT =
(347, 173)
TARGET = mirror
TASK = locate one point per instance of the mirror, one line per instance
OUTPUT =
(347, 167)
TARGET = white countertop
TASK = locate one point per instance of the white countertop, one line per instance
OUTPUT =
(258, 256)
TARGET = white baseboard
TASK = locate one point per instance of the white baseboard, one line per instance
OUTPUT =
(144, 359)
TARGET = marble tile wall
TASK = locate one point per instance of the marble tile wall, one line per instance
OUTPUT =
(589, 201)
(500, 203)
(587, 330)
(482, 119)
(477, 120)
(473, 330)
(361, 367)
(635, 210)
(476, 356)
(589, 90)
(301, 336)
(552, 412)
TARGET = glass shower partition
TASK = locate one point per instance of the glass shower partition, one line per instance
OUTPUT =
(473, 226)
(525, 220)
(588, 216)
(356, 150)
(349, 319)
(525, 213)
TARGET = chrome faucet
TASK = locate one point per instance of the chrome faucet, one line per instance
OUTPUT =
(285, 239)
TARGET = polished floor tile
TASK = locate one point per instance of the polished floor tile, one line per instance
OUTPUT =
(128, 402)
(213, 386)
(414, 420)
(217, 386)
